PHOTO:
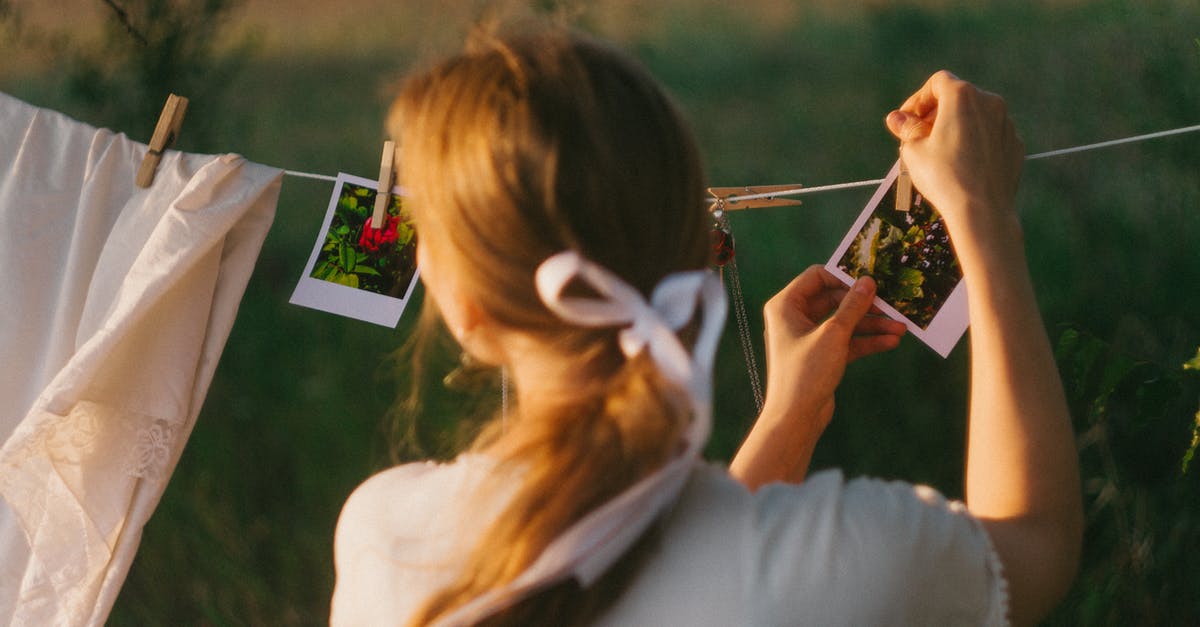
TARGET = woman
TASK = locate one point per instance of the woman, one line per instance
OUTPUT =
(563, 237)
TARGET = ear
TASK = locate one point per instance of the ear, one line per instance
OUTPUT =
(470, 315)
(470, 325)
(478, 333)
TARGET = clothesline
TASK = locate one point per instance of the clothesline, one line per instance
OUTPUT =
(1040, 155)
(309, 175)
(836, 186)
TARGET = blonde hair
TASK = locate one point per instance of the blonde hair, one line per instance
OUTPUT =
(523, 146)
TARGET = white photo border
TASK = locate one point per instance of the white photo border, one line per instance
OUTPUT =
(343, 300)
(952, 319)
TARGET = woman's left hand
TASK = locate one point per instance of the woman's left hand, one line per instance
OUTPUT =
(815, 326)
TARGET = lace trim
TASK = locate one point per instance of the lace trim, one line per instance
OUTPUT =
(997, 613)
(150, 457)
(144, 444)
(58, 587)
(70, 477)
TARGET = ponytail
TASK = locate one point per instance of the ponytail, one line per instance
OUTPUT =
(568, 464)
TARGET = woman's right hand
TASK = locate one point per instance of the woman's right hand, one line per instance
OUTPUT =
(963, 154)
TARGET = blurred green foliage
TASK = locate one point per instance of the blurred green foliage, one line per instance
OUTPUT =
(146, 50)
(296, 416)
(1134, 421)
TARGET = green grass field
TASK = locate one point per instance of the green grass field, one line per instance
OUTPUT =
(778, 93)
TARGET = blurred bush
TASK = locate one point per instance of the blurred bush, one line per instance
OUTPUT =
(145, 49)
(1135, 421)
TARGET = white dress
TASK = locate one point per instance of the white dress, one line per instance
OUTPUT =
(827, 552)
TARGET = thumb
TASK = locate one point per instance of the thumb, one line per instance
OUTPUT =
(855, 304)
(906, 126)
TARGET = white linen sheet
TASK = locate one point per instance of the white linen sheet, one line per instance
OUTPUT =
(115, 305)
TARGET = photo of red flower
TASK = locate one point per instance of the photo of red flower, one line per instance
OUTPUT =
(358, 255)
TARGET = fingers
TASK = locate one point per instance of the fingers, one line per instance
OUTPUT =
(916, 118)
(937, 87)
(863, 334)
(961, 149)
(875, 334)
(813, 281)
(908, 127)
(870, 345)
(814, 293)
(925, 100)
(855, 319)
(879, 325)
(855, 305)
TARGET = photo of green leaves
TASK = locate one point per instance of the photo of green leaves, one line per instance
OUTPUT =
(355, 254)
(909, 255)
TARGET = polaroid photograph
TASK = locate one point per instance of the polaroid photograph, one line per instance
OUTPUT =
(909, 255)
(355, 269)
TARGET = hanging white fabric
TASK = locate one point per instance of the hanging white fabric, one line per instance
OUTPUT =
(117, 302)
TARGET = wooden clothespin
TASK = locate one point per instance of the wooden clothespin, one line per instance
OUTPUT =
(904, 189)
(383, 195)
(750, 197)
(165, 134)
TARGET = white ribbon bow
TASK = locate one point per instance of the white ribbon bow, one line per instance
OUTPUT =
(651, 325)
(588, 548)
